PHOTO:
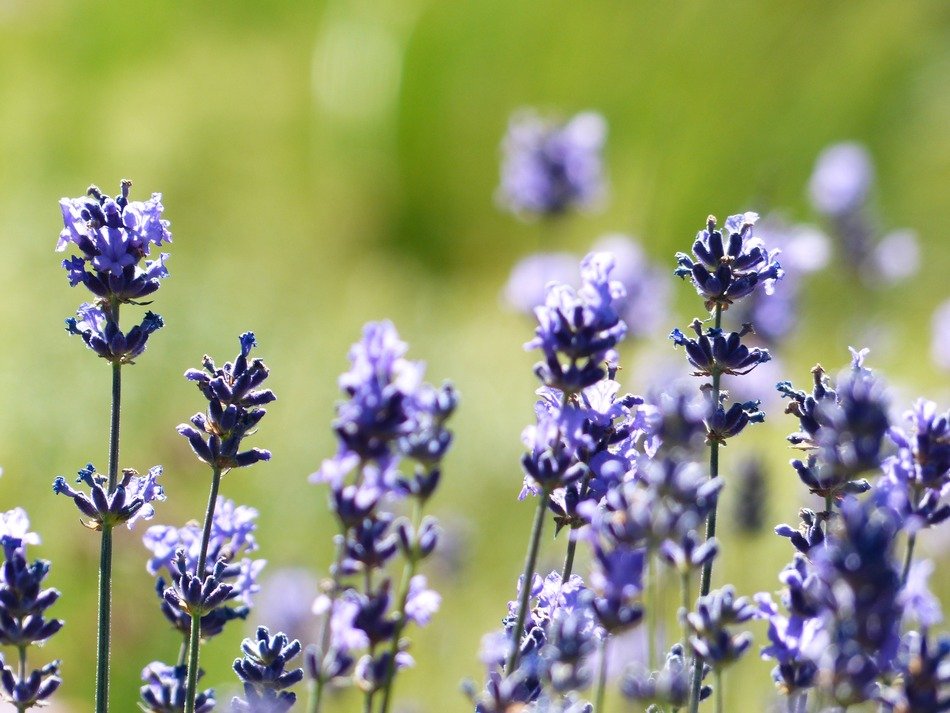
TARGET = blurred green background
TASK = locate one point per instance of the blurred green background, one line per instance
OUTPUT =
(328, 163)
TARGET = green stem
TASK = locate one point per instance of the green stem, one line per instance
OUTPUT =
(909, 557)
(529, 566)
(684, 602)
(706, 575)
(719, 706)
(571, 542)
(601, 677)
(829, 506)
(402, 598)
(194, 637)
(105, 550)
(313, 694)
(652, 573)
(316, 697)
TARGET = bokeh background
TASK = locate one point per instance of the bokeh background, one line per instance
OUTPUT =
(328, 163)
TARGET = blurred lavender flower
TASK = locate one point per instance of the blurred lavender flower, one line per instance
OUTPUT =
(165, 687)
(549, 167)
(527, 284)
(862, 622)
(940, 336)
(644, 305)
(751, 507)
(577, 329)
(923, 683)
(234, 409)
(840, 189)
(130, 502)
(15, 525)
(842, 179)
(285, 602)
(113, 236)
(668, 687)
(709, 637)
(916, 479)
(729, 264)
(263, 671)
(843, 428)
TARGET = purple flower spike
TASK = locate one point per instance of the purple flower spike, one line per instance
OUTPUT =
(577, 329)
(550, 167)
(714, 352)
(165, 688)
(130, 501)
(101, 333)
(234, 409)
(263, 672)
(113, 236)
(729, 264)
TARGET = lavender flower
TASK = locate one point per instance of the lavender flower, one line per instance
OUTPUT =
(129, 502)
(863, 619)
(101, 333)
(917, 478)
(23, 623)
(729, 264)
(113, 236)
(668, 687)
(576, 329)
(234, 409)
(263, 671)
(15, 525)
(714, 352)
(842, 179)
(923, 683)
(843, 428)
(164, 690)
(940, 335)
(710, 639)
(549, 167)
(175, 553)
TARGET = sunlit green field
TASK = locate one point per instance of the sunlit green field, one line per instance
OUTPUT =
(328, 163)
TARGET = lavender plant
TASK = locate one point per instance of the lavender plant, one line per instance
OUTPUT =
(391, 420)
(113, 237)
(234, 409)
(24, 621)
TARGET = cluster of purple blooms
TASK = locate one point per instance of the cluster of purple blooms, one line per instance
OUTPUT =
(634, 481)
(392, 437)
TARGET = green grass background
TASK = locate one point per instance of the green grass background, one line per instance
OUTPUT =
(328, 163)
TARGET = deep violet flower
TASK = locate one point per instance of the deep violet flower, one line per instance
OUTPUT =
(263, 671)
(231, 540)
(670, 686)
(234, 409)
(101, 333)
(130, 502)
(716, 352)
(549, 167)
(728, 265)
(923, 683)
(709, 637)
(113, 236)
(23, 623)
(165, 688)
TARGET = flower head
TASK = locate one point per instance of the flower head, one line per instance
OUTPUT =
(165, 688)
(549, 167)
(234, 408)
(728, 265)
(129, 502)
(101, 333)
(113, 235)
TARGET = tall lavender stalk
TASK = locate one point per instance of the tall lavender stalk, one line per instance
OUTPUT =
(234, 409)
(112, 237)
(389, 419)
(725, 267)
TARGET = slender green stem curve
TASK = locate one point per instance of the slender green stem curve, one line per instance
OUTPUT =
(194, 637)
(530, 562)
(705, 580)
(719, 706)
(402, 598)
(601, 676)
(105, 549)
